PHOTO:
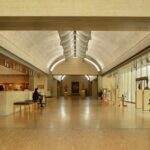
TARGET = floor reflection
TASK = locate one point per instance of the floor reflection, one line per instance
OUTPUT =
(76, 124)
(75, 112)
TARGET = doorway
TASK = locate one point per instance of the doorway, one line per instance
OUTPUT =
(75, 87)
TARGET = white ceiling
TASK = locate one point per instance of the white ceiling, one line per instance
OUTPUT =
(42, 48)
(75, 43)
(39, 48)
(110, 48)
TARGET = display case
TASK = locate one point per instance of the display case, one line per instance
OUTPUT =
(139, 99)
(146, 100)
(15, 86)
(143, 99)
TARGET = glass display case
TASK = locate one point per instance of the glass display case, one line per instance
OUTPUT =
(14, 86)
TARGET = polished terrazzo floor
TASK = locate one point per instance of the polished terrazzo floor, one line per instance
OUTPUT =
(76, 124)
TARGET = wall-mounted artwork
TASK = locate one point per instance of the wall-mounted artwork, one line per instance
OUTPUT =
(40, 86)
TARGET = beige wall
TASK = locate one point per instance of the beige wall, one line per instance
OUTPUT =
(2, 103)
(100, 82)
(75, 8)
(8, 98)
(69, 79)
(94, 88)
(54, 88)
(75, 67)
(50, 84)
(109, 82)
(39, 81)
(31, 83)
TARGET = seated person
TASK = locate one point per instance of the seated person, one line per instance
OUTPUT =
(35, 96)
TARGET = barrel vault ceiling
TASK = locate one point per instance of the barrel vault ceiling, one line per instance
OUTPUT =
(43, 48)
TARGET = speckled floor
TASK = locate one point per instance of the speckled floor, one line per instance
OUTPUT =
(76, 124)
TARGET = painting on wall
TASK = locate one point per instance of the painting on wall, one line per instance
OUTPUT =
(40, 86)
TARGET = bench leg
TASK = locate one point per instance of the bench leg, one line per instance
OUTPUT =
(20, 108)
(14, 109)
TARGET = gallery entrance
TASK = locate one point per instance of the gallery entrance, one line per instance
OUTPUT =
(74, 88)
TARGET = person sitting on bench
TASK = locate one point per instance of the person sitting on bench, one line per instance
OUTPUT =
(35, 96)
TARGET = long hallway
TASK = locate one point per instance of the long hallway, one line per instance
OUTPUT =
(74, 123)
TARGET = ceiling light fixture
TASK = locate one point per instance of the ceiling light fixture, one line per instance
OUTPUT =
(87, 77)
(62, 78)
(94, 64)
(55, 64)
(75, 43)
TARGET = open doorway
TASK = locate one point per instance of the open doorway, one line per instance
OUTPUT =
(75, 88)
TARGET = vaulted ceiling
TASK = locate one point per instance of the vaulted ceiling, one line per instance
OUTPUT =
(75, 43)
(43, 48)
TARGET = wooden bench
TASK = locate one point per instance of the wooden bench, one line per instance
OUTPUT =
(27, 104)
(35, 105)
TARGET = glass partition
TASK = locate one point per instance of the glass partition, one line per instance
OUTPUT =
(128, 74)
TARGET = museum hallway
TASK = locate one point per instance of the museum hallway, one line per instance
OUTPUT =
(74, 123)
